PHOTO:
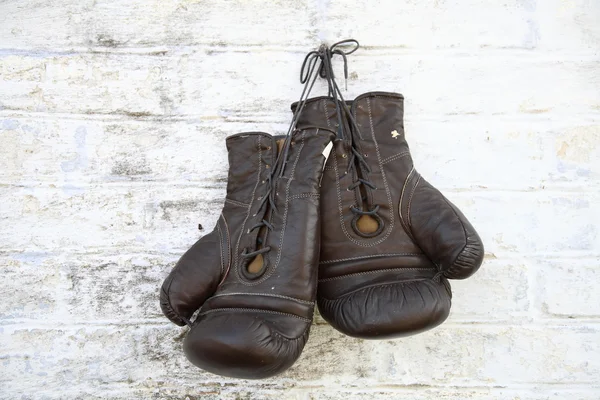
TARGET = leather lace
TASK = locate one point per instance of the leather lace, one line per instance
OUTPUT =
(357, 161)
(309, 78)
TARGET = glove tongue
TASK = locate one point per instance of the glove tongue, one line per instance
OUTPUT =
(256, 265)
(280, 143)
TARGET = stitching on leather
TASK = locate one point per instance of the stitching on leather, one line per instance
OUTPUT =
(395, 157)
(221, 248)
(384, 96)
(236, 203)
(166, 292)
(287, 195)
(341, 208)
(267, 295)
(328, 168)
(287, 191)
(302, 335)
(387, 188)
(451, 269)
(254, 310)
(301, 195)
(367, 243)
(371, 256)
(374, 272)
(326, 113)
(410, 201)
(237, 246)
(400, 283)
(406, 183)
(464, 231)
(227, 236)
(404, 225)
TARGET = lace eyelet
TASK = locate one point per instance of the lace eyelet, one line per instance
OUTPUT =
(344, 155)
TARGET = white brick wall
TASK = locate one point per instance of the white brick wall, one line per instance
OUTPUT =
(113, 116)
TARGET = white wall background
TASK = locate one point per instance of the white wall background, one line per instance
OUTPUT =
(113, 116)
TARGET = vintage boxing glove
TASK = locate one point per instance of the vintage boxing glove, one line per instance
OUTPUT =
(390, 240)
(254, 277)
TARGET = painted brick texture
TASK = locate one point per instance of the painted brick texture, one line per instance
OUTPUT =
(113, 117)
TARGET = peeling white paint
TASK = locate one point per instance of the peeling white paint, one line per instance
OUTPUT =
(113, 117)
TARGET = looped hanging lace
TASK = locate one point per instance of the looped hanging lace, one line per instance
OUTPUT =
(356, 160)
(308, 78)
(325, 52)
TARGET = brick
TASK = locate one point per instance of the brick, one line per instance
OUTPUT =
(453, 356)
(92, 83)
(466, 25)
(560, 224)
(569, 288)
(498, 291)
(165, 219)
(508, 154)
(223, 84)
(88, 219)
(140, 24)
(66, 357)
(71, 151)
(67, 290)
(470, 25)
(239, 391)
(453, 393)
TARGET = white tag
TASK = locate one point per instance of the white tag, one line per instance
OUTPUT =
(326, 152)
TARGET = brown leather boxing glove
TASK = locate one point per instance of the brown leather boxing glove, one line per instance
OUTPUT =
(389, 239)
(254, 277)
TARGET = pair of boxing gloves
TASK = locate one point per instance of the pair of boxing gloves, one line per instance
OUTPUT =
(342, 221)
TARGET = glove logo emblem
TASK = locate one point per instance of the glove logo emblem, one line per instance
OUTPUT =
(395, 134)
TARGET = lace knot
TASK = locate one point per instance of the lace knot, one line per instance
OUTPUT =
(437, 277)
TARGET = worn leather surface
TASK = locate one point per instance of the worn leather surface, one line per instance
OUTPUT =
(391, 282)
(254, 325)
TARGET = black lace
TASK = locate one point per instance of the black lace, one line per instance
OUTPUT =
(357, 160)
(309, 78)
